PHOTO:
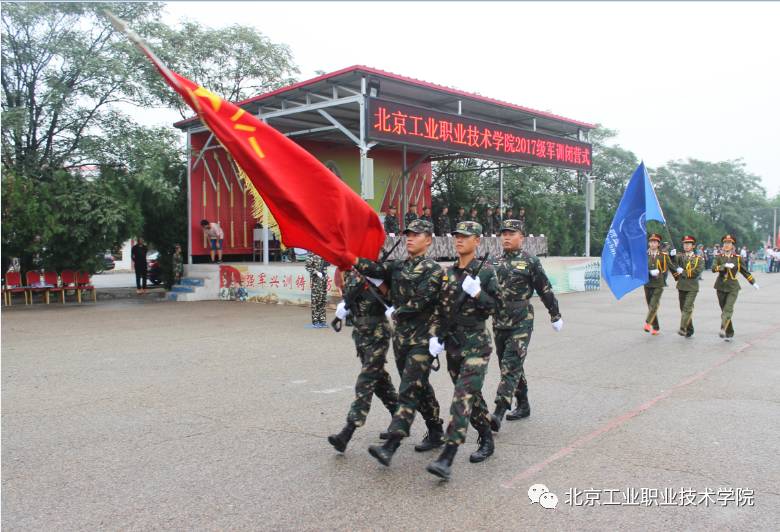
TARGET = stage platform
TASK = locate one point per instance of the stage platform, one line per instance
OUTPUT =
(288, 283)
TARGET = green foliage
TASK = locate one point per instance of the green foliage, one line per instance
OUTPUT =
(701, 198)
(79, 175)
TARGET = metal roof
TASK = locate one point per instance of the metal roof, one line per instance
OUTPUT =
(347, 82)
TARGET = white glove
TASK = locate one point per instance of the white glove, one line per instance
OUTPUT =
(389, 313)
(672, 252)
(729, 265)
(342, 311)
(558, 325)
(655, 272)
(755, 285)
(472, 285)
(318, 274)
(435, 346)
(391, 234)
(375, 281)
(679, 270)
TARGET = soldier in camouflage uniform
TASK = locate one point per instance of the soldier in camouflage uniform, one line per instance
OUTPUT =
(414, 293)
(427, 215)
(371, 334)
(518, 274)
(658, 264)
(687, 271)
(490, 220)
(460, 217)
(728, 265)
(411, 215)
(391, 222)
(466, 303)
(318, 274)
(444, 227)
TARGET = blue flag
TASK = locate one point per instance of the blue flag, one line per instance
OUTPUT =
(624, 258)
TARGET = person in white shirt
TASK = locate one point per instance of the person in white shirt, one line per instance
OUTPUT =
(215, 235)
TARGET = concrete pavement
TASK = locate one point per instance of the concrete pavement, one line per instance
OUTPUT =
(213, 415)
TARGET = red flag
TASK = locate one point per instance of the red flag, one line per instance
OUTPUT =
(315, 210)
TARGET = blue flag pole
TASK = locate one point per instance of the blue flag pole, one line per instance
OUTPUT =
(624, 257)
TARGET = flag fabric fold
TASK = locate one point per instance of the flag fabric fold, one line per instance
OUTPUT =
(624, 257)
(315, 210)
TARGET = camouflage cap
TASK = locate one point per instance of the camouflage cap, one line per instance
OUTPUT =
(512, 225)
(468, 228)
(419, 226)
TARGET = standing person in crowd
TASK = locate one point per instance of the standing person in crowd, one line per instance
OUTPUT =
(140, 265)
(509, 214)
(411, 215)
(658, 266)
(468, 298)
(427, 215)
(521, 218)
(473, 215)
(728, 265)
(519, 274)
(216, 236)
(489, 226)
(460, 217)
(318, 277)
(687, 271)
(770, 259)
(443, 225)
(415, 284)
(371, 334)
(496, 222)
(178, 264)
(391, 222)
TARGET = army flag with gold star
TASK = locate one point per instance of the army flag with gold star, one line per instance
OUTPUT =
(315, 210)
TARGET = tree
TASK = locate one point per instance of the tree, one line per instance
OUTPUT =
(62, 66)
(236, 62)
(79, 175)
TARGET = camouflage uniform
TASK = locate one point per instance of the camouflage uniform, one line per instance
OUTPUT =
(409, 217)
(371, 334)
(490, 224)
(178, 267)
(469, 344)
(391, 224)
(654, 287)
(426, 218)
(727, 286)
(687, 285)
(519, 274)
(444, 227)
(414, 292)
(460, 217)
(319, 288)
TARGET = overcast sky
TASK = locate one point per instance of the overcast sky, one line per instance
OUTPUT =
(676, 80)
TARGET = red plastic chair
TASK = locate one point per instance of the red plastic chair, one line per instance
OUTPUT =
(51, 278)
(69, 283)
(33, 280)
(13, 285)
(83, 283)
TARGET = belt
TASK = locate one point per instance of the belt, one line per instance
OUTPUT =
(471, 324)
(368, 320)
(518, 303)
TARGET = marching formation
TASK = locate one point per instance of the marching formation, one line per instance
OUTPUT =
(686, 269)
(427, 312)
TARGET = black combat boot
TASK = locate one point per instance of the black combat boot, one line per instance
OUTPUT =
(523, 409)
(497, 417)
(441, 467)
(485, 449)
(384, 453)
(433, 438)
(340, 440)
